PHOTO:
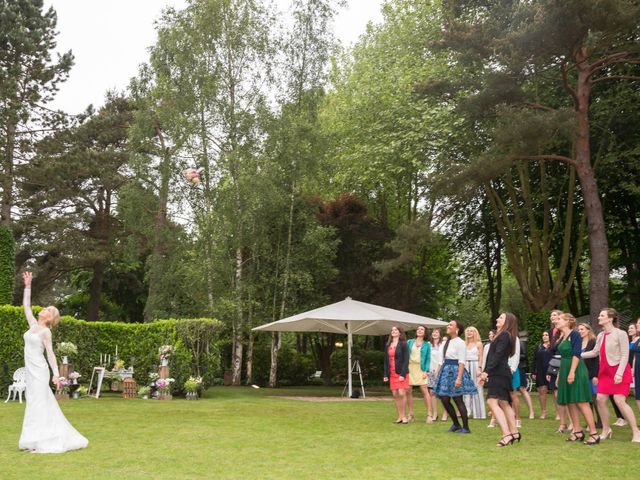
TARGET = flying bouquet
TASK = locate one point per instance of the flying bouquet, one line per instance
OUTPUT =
(192, 175)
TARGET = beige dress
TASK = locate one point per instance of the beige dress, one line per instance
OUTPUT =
(415, 372)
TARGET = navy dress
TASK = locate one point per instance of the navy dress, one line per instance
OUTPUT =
(541, 365)
(635, 348)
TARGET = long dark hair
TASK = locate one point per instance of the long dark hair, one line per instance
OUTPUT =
(401, 338)
(511, 327)
(426, 334)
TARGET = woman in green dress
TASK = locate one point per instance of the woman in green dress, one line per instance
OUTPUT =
(574, 388)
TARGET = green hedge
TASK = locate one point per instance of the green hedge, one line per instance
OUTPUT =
(195, 341)
(7, 266)
(535, 323)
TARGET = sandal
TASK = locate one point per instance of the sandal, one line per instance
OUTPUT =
(518, 437)
(429, 419)
(504, 442)
(594, 439)
(576, 437)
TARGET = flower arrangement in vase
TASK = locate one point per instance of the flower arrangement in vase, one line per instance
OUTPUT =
(144, 392)
(165, 352)
(67, 349)
(164, 387)
(153, 377)
(191, 387)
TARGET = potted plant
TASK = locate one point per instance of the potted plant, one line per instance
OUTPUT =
(164, 388)
(165, 352)
(73, 383)
(153, 376)
(66, 349)
(81, 391)
(191, 387)
(144, 392)
(62, 392)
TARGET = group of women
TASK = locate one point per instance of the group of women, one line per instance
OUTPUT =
(456, 371)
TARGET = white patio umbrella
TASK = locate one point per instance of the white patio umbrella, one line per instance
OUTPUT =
(350, 317)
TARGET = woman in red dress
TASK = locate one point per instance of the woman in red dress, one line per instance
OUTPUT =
(614, 374)
(396, 370)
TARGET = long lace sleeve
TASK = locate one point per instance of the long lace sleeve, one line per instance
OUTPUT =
(51, 358)
(26, 303)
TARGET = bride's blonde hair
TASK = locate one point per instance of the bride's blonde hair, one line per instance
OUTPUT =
(54, 316)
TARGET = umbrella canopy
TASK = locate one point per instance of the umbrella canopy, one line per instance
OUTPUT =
(350, 317)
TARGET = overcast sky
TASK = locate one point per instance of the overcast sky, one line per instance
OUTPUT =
(110, 38)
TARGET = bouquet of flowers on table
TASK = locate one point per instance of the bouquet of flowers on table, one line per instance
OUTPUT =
(74, 376)
(118, 365)
(164, 385)
(67, 349)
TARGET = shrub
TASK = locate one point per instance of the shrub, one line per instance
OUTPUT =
(137, 342)
(536, 323)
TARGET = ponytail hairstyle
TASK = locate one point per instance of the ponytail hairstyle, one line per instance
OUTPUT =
(570, 319)
(54, 316)
(612, 313)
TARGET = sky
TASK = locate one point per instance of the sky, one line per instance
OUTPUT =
(110, 39)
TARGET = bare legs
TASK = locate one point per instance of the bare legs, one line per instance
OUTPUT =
(503, 413)
(515, 405)
(399, 398)
(542, 395)
(575, 409)
(434, 404)
(562, 413)
(426, 396)
(527, 400)
(628, 415)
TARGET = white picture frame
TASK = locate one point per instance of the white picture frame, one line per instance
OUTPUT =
(95, 392)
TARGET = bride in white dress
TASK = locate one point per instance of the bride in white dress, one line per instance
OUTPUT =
(45, 428)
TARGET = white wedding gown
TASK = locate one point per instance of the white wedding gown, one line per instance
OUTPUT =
(45, 428)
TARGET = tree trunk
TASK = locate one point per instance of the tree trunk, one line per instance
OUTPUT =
(7, 178)
(249, 363)
(156, 270)
(276, 338)
(95, 292)
(598, 245)
(236, 366)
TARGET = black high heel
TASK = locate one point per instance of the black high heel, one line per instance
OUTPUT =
(516, 438)
(595, 437)
(575, 437)
(503, 442)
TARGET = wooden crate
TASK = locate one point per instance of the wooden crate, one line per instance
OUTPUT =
(130, 388)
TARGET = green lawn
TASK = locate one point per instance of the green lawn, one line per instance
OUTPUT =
(247, 433)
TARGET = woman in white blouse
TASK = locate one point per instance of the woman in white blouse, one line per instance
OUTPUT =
(453, 380)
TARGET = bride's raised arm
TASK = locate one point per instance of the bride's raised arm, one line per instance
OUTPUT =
(26, 299)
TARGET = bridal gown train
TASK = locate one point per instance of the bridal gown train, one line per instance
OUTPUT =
(45, 428)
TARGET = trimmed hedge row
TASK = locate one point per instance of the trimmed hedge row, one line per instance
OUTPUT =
(196, 342)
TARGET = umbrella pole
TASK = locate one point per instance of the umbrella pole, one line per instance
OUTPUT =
(349, 344)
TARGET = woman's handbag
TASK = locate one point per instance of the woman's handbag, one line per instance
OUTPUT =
(554, 367)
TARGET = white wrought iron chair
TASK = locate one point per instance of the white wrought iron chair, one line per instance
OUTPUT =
(19, 384)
